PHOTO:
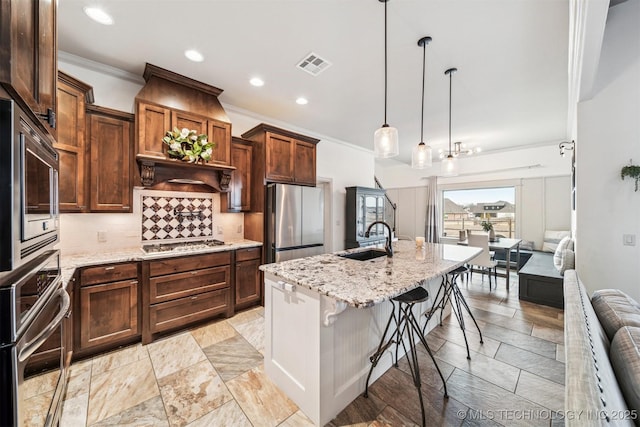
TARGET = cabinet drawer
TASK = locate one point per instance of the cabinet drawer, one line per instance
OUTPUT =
(181, 312)
(166, 288)
(108, 273)
(249, 253)
(188, 263)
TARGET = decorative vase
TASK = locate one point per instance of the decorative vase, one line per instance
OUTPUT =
(492, 235)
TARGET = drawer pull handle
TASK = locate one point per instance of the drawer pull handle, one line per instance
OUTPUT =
(286, 286)
(194, 272)
(194, 298)
(109, 268)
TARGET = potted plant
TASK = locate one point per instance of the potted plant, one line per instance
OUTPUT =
(632, 171)
(488, 227)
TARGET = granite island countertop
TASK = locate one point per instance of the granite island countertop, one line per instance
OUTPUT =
(362, 284)
(69, 262)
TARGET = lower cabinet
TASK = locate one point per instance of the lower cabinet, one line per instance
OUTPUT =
(107, 312)
(248, 281)
(185, 290)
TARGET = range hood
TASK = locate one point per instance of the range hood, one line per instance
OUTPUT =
(174, 95)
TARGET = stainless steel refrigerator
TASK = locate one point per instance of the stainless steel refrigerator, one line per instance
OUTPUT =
(295, 222)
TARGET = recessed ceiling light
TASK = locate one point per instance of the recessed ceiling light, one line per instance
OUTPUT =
(98, 15)
(302, 101)
(194, 55)
(257, 82)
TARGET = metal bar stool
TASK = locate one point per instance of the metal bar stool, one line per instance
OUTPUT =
(406, 322)
(451, 294)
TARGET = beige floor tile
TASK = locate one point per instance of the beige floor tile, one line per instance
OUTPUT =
(246, 316)
(119, 389)
(541, 391)
(148, 413)
(163, 354)
(298, 419)
(40, 384)
(213, 333)
(253, 331)
(118, 358)
(74, 411)
(260, 399)
(192, 393)
(228, 414)
(36, 408)
(79, 380)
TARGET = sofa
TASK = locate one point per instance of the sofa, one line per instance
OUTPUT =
(602, 356)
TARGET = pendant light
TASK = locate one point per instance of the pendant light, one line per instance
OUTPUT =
(385, 139)
(450, 163)
(421, 157)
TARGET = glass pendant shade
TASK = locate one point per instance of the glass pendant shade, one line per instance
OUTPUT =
(385, 142)
(421, 157)
(450, 166)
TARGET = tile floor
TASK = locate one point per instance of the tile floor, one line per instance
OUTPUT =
(213, 375)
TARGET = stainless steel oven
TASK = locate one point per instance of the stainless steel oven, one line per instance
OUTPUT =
(28, 189)
(33, 305)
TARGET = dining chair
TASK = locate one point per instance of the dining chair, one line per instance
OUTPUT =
(483, 259)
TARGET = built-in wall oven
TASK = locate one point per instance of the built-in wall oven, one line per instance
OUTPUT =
(28, 189)
(33, 306)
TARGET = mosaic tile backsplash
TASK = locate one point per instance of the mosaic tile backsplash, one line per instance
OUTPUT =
(176, 217)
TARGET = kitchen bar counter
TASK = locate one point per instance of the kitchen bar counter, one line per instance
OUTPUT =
(69, 263)
(362, 284)
(325, 315)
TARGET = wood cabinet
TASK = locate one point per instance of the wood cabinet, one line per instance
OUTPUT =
(363, 207)
(185, 290)
(155, 120)
(111, 151)
(248, 278)
(73, 97)
(29, 54)
(107, 312)
(238, 199)
(286, 156)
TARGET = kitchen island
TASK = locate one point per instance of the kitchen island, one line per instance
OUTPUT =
(325, 315)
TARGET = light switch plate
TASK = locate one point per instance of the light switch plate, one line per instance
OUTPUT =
(102, 236)
(629, 239)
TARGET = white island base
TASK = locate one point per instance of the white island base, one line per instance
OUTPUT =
(317, 349)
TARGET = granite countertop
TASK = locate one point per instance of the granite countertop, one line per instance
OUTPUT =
(363, 284)
(70, 262)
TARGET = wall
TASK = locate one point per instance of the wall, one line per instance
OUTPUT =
(339, 163)
(608, 136)
(79, 232)
(542, 203)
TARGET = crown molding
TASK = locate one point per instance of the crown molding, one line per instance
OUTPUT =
(100, 67)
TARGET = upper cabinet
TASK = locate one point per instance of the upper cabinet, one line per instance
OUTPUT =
(238, 199)
(287, 156)
(28, 58)
(73, 97)
(111, 148)
(169, 100)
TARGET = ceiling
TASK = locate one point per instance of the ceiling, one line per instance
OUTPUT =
(510, 90)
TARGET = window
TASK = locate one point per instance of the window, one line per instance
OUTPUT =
(466, 209)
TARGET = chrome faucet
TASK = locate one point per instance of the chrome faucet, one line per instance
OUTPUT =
(387, 245)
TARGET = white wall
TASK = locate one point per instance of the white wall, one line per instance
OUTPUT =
(608, 136)
(411, 211)
(340, 163)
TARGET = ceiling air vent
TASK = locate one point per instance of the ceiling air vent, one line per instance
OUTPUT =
(313, 64)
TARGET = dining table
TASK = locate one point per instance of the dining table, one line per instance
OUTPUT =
(504, 244)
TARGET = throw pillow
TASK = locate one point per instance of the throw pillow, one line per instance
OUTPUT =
(615, 309)
(568, 261)
(565, 243)
(625, 360)
(552, 238)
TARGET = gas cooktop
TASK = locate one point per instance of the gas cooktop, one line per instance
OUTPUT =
(182, 246)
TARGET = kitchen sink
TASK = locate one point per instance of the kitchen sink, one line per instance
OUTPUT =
(364, 255)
